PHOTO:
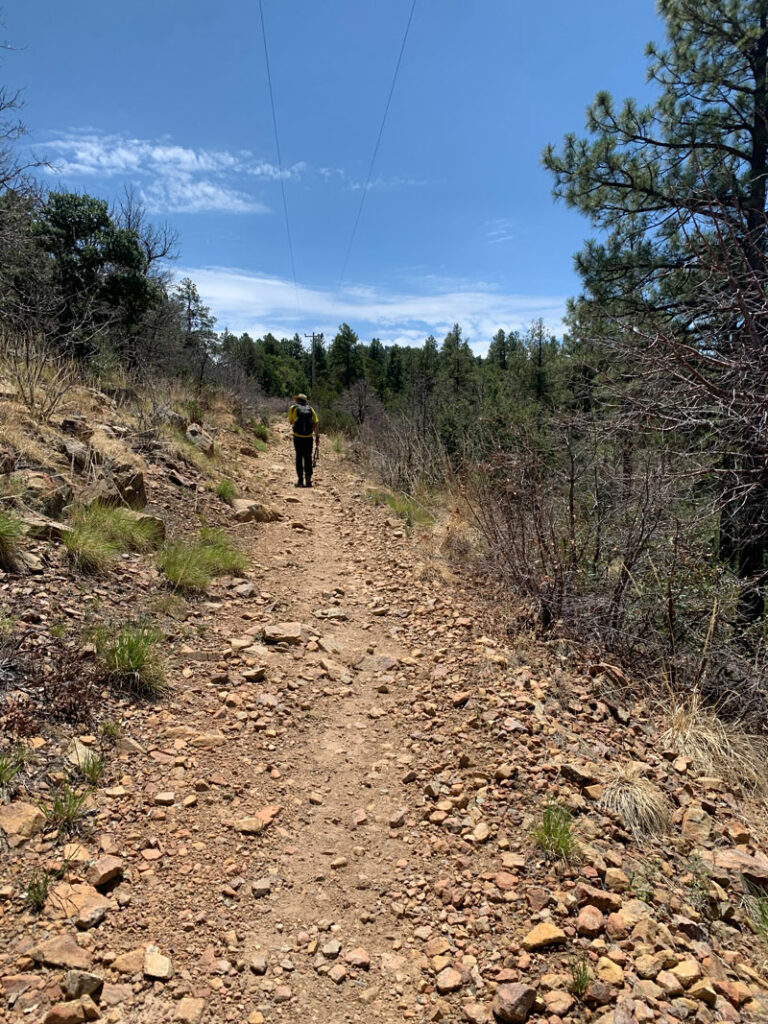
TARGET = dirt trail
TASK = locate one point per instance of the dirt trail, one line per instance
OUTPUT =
(306, 895)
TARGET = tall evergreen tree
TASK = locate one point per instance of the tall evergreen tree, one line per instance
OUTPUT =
(677, 190)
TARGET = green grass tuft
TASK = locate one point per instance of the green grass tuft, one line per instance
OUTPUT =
(66, 809)
(10, 766)
(554, 836)
(11, 532)
(580, 978)
(92, 769)
(192, 565)
(226, 490)
(407, 508)
(110, 732)
(130, 657)
(101, 532)
(756, 906)
(37, 890)
(260, 432)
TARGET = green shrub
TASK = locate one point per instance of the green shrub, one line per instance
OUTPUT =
(226, 490)
(10, 766)
(192, 565)
(260, 445)
(554, 835)
(11, 531)
(407, 508)
(37, 890)
(260, 431)
(130, 657)
(92, 769)
(66, 809)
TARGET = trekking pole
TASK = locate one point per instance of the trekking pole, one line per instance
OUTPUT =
(316, 456)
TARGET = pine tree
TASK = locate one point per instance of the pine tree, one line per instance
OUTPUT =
(677, 190)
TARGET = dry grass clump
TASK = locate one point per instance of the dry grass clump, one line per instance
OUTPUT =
(640, 804)
(20, 438)
(716, 747)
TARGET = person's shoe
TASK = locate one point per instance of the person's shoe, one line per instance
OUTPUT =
(299, 484)
(308, 483)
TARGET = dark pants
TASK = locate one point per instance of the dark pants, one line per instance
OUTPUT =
(303, 446)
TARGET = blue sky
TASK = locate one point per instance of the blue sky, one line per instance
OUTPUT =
(171, 97)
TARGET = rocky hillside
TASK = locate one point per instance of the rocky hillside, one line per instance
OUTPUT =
(267, 755)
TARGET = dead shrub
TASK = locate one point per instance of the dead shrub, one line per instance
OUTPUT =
(641, 805)
(52, 685)
(715, 746)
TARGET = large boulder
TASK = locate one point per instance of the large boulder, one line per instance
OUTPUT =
(200, 438)
(246, 511)
(48, 493)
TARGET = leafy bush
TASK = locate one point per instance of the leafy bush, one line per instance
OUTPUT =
(226, 490)
(130, 657)
(192, 565)
(11, 531)
(260, 431)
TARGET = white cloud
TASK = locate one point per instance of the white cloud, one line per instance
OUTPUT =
(258, 303)
(184, 195)
(502, 229)
(171, 178)
(184, 179)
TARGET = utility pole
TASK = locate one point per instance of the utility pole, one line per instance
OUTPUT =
(312, 371)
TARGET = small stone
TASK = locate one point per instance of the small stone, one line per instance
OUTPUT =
(687, 972)
(156, 965)
(609, 972)
(131, 962)
(190, 1011)
(258, 964)
(397, 820)
(61, 951)
(543, 936)
(65, 1013)
(337, 973)
(104, 870)
(512, 1004)
(165, 799)
(20, 819)
(358, 958)
(475, 1013)
(331, 949)
(704, 991)
(82, 983)
(339, 862)
(261, 887)
(558, 1001)
(448, 980)
(282, 994)
(589, 922)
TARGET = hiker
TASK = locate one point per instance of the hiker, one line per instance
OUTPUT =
(303, 419)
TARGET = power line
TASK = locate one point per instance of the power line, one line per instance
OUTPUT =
(376, 147)
(279, 157)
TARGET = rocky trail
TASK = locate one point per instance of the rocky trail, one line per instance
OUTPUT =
(330, 817)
